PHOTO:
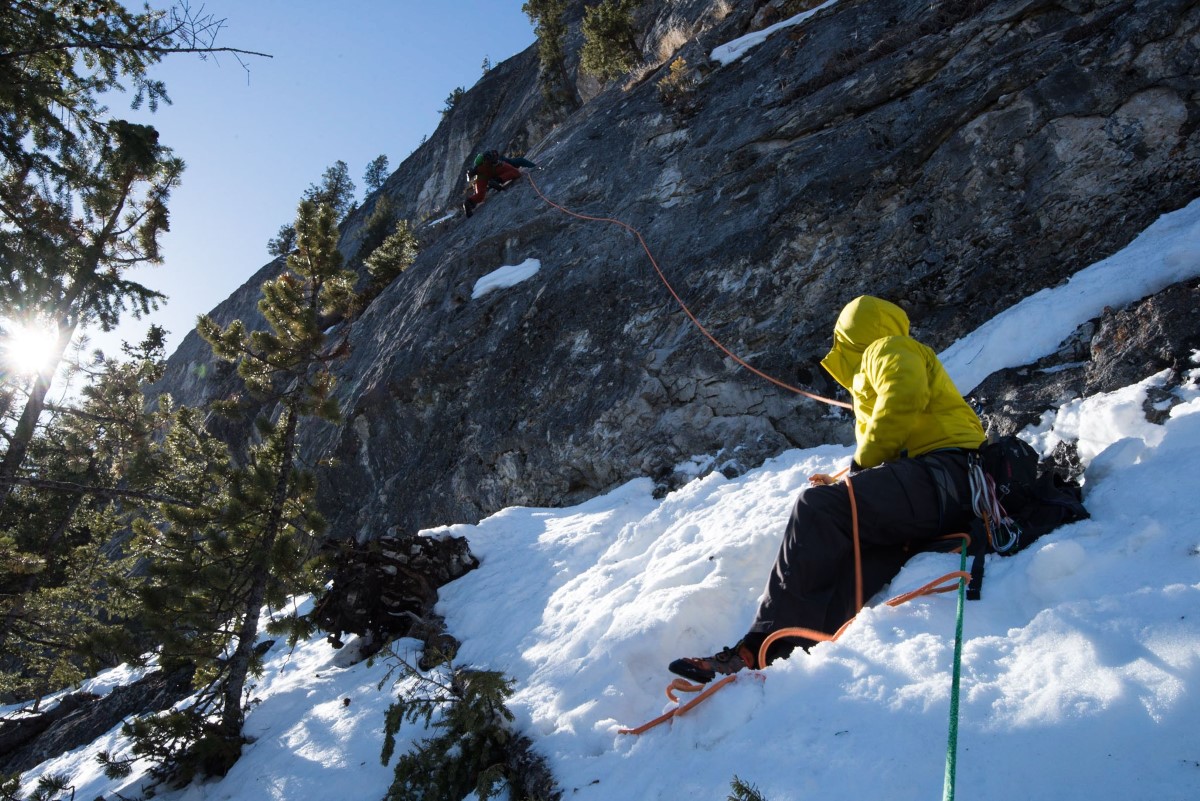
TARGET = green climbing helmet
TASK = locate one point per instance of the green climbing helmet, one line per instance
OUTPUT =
(478, 159)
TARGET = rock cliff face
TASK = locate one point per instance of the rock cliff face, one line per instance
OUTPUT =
(952, 156)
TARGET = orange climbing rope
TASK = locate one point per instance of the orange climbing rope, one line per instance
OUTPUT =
(681, 685)
(938, 585)
(641, 240)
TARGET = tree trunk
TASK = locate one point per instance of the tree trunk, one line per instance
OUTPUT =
(18, 446)
(69, 318)
(232, 716)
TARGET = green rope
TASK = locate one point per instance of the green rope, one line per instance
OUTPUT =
(952, 744)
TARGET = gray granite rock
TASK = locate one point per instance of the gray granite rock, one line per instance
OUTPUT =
(952, 157)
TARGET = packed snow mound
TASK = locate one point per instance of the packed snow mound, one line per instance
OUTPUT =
(504, 277)
(738, 48)
(1165, 253)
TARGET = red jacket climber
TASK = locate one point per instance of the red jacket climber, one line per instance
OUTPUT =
(490, 170)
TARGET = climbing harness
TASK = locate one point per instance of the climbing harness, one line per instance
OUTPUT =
(695, 321)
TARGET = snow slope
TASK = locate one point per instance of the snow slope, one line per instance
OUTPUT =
(1081, 665)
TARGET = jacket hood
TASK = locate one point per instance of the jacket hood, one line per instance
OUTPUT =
(863, 320)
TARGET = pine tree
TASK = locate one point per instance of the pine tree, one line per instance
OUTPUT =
(66, 253)
(249, 546)
(58, 58)
(63, 600)
(393, 256)
(336, 190)
(452, 100)
(390, 247)
(609, 39)
(376, 173)
(286, 365)
(82, 196)
(550, 27)
(283, 242)
(379, 224)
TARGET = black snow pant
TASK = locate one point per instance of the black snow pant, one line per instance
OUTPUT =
(901, 506)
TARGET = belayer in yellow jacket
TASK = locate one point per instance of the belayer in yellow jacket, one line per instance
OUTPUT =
(904, 402)
(913, 434)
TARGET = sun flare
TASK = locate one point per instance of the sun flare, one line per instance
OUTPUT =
(29, 348)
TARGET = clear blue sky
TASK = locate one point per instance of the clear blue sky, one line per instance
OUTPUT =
(348, 80)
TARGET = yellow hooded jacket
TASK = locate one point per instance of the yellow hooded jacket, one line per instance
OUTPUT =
(904, 401)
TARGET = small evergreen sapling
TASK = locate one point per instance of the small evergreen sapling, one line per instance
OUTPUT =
(742, 791)
(677, 84)
(49, 787)
(468, 751)
(393, 256)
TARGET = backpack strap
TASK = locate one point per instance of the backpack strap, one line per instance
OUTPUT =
(978, 549)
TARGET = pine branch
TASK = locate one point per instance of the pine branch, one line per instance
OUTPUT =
(81, 414)
(108, 493)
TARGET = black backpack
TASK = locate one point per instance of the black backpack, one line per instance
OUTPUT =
(1030, 501)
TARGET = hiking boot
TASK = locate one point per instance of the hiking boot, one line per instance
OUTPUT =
(705, 669)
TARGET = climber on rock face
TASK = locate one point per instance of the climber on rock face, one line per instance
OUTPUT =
(492, 171)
